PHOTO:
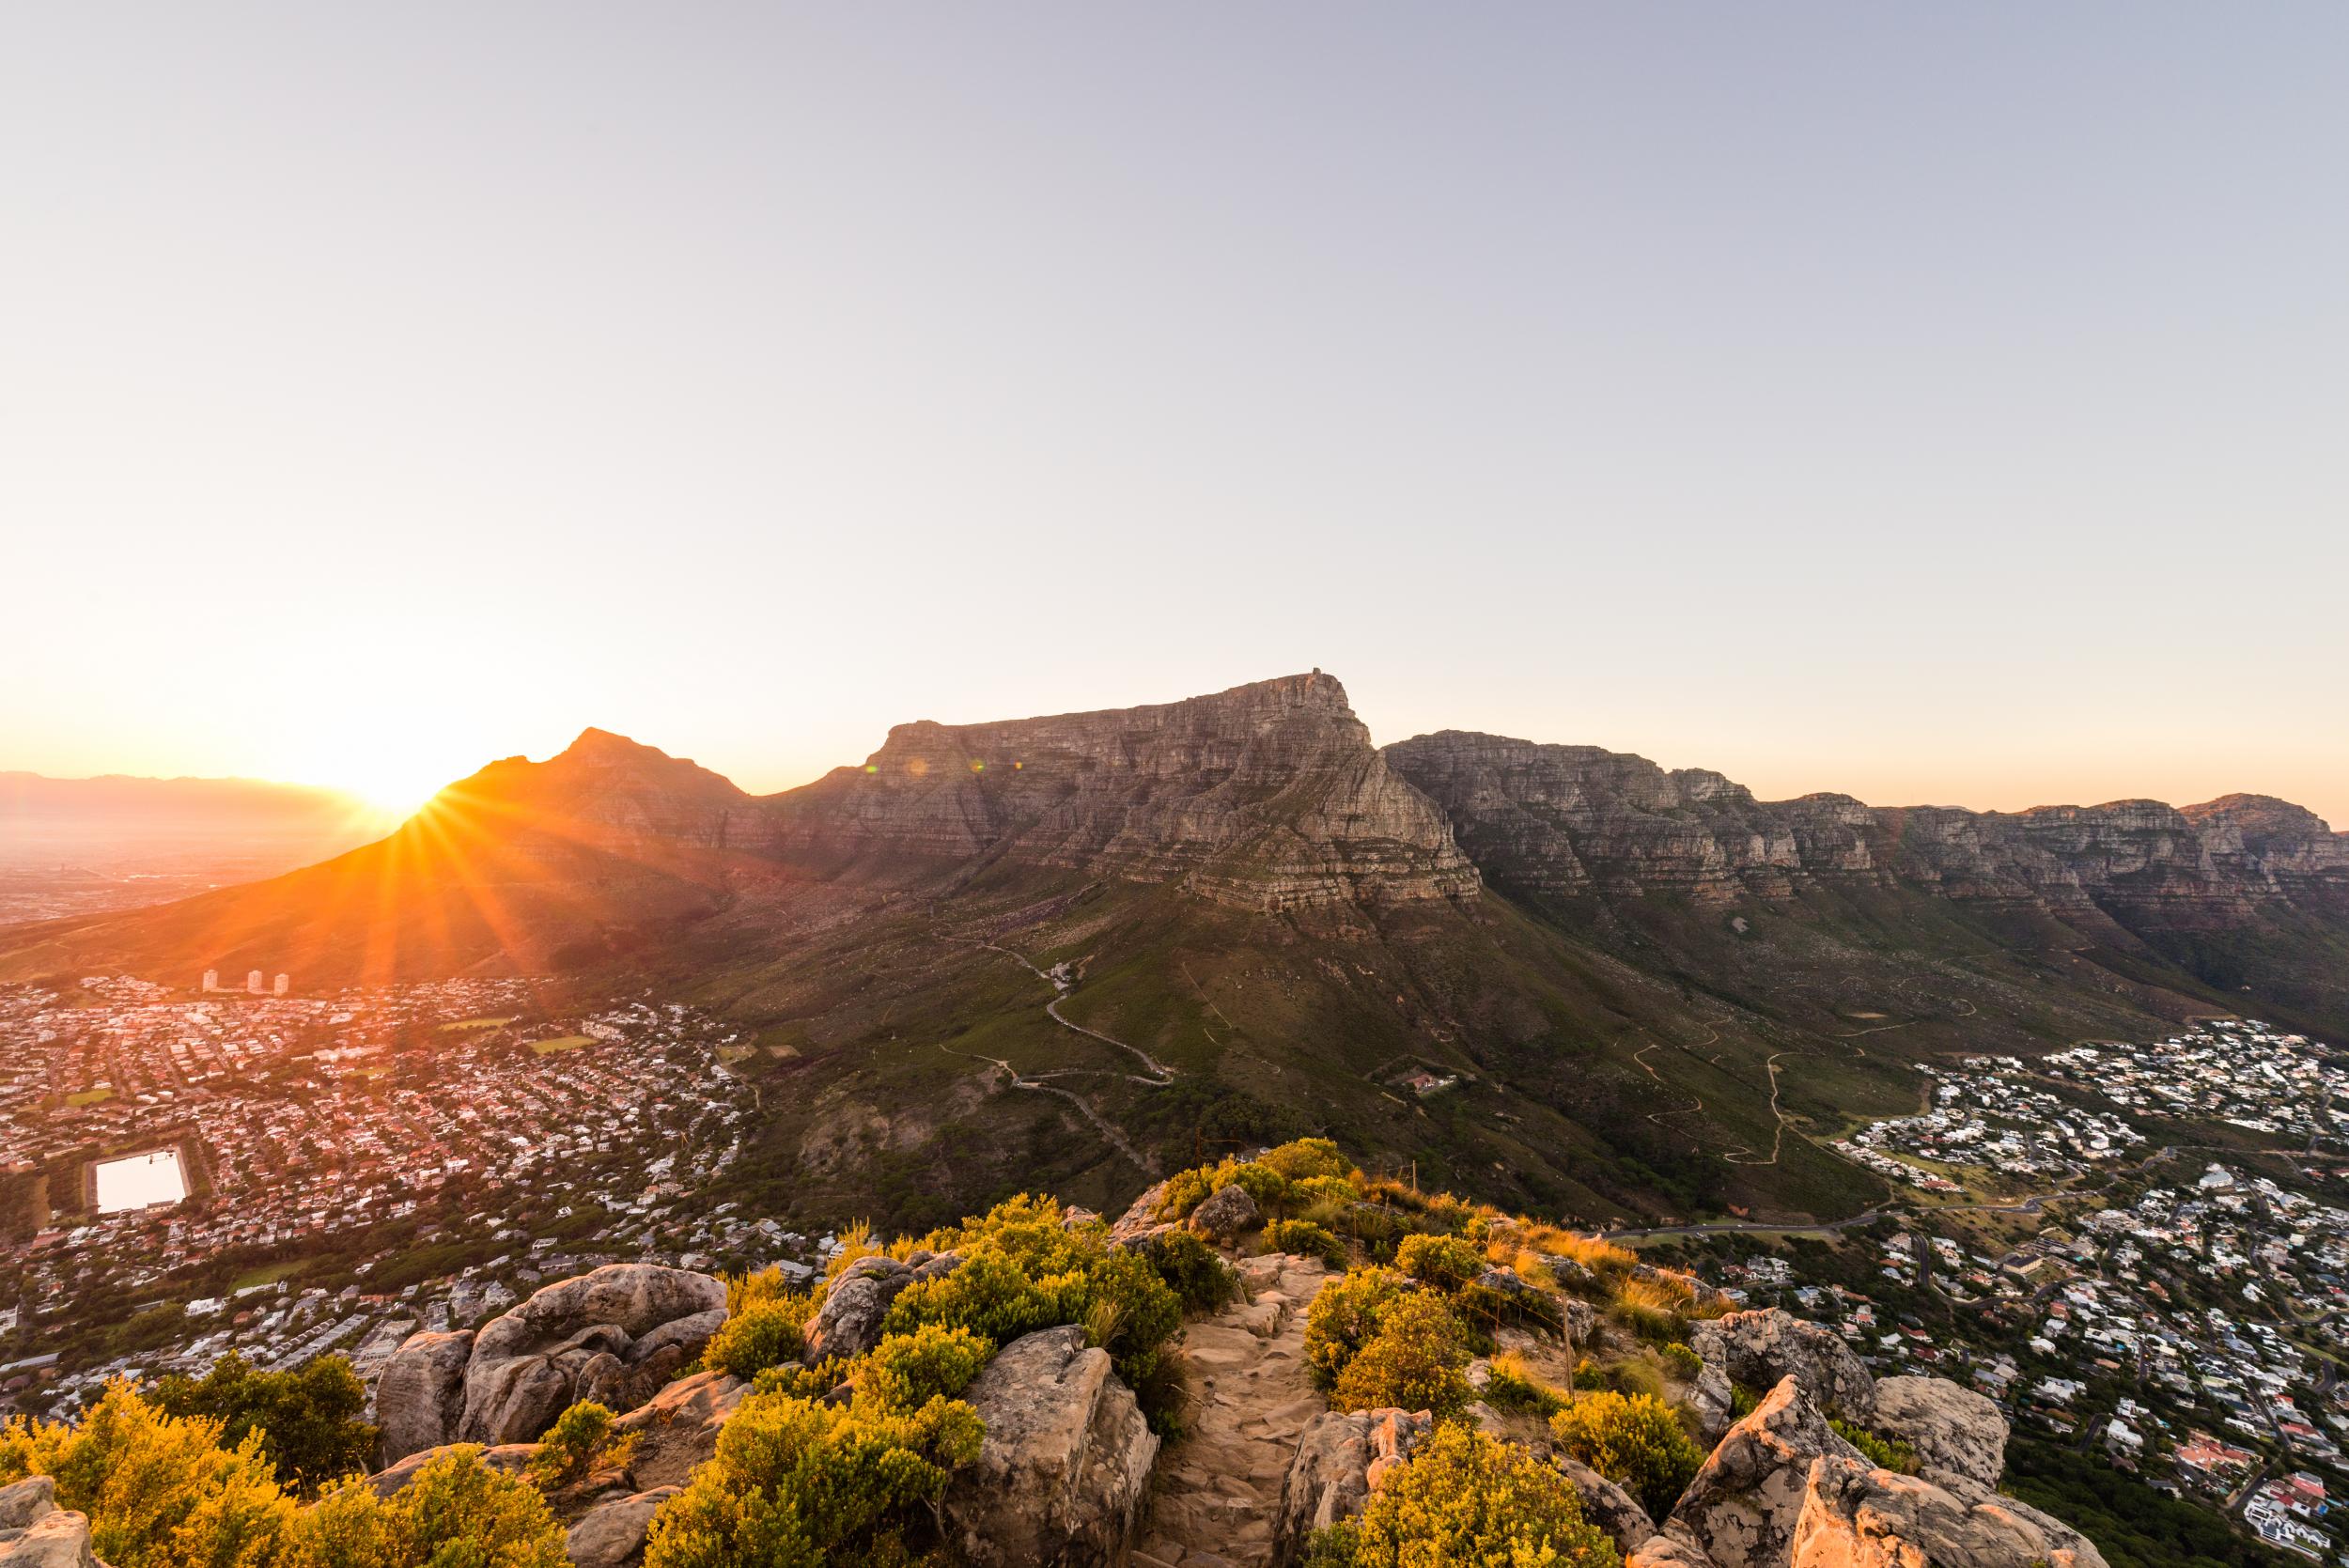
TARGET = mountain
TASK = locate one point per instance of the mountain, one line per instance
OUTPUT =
(1084, 947)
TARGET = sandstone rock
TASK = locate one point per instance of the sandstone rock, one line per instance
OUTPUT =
(27, 1501)
(1141, 1216)
(612, 1533)
(56, 1539)
(420, 1398)
(526, 1366)
(849, 1322)
(1757, 1348)
(676, 1430)
(1340, 1460)
(1740, 1510)
(1857, 1517)
(1713, 1399)
(1662, 1552)
(1606, 1504)
(507, 1458)
(1955, 1431)
(1064, 1469)
(1223, 1215)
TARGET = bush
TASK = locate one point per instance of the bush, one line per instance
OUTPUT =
(457, 1513)
(1467, 1500)
(1185, 1192)
(1513, 1390)
(989, 1295)
(159, 1490)
(798, 1484)
(1304, 1237)
(764, 1334)
(309, 1419)
(1684, 1362)
(1200, 1279)
(1307, 1159)
(1444, 1262)
(1634, 1441)
(905, 1372)
(1415, 1361)
(1343, 1316)
(1886, 1454)
(578, 1444)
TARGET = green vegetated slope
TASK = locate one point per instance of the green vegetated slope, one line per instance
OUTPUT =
(1593, 1062)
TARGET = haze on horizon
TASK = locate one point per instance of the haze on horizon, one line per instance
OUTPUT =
(1932, 406)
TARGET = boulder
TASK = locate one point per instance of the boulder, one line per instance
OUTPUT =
(1606, 1504)
(1140, 1218)
(27, 1502)
(526, 1367)
(1857, 1517)
(56, 1539)
(612, 1533)
(1340, 1458)
(1758, 1348)
(1957, 1432)
(1662, 1552)
(507, 1458)
(1741, 1507)
(1063, 1471)
(1223, 1215)
(1711, 1398)
(676, 1430)
(420, 1398)
(849, 1322)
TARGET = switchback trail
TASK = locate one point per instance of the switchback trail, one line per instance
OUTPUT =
(1101, 1123)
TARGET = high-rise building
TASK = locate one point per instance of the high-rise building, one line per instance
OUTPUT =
(212, 980)
(252, 982)
(284, 981)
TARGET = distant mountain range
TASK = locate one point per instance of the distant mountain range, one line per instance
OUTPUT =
(1618, 969)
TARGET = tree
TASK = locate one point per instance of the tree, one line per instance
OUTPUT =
(309, 1419)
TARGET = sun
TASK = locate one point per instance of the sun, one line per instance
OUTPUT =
(393, 791)
(387, 779)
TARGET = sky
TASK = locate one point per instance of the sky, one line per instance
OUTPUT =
(1931, 403)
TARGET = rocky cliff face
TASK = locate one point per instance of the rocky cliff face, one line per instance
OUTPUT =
(608, 792)
(1267, 796)
(1577, 820)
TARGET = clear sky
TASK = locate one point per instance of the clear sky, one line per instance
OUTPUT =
(1932, 402)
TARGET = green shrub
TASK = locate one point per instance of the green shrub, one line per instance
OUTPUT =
(803, 1382)
(796, 1483)
(990, 1294)
(1886, 1454)
(1684, 1362)
(1199, 1277)
(1266, 1186)
(309, 1419)
(159, 1490)
(1307, 1159)
(764, 1334)
(905, 1372)
(1305, 1237)
(1342, 1191)
(1444, 1262)
(1513, 1390)
(1634, 1441)
(1467, 1500)
(578, 1444)
(1343, 1316)
(1415, 1361)
(457, 1513)
(1185, 1192)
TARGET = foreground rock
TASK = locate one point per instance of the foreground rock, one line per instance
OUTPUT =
(1065, 1464)
(1225, 1215)
(1741, 1509)
(1957, 1432)
(1608, 1505)
(1855, 1516)
(1758, 1348)
(421, 1396)
(1340, 1460)
(507, 1458)
(612, 1533)
(36, 1533)
(676, 1430)
(615, 1335)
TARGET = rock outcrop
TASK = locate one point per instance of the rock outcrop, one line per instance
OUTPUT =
(849, 1322)
(505, 1458)
(1065, 1467)
(676, 1430)
(1339, 1462)
(1955, 1432)
(1222, 1216)
(1757, 1348)
(1857, 1517)
(36, 1533)
(420, 1398)
(1267, 796)
(1607, 1505)
(1741, 1509)
(612, 1533)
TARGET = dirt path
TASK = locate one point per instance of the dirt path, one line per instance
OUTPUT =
(1216, 1491)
